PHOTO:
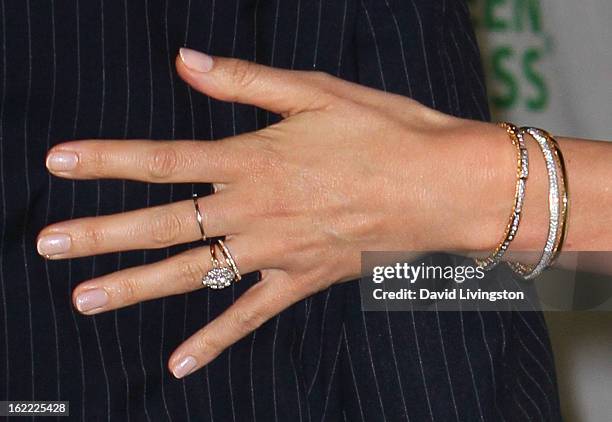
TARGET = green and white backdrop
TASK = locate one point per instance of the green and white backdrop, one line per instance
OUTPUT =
(549, 64)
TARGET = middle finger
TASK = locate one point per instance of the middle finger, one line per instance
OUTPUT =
(148, 228)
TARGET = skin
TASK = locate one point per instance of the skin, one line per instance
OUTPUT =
(348, 169)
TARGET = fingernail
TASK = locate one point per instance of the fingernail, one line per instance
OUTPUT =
(91, 299)
(53, 244)
(184, 367)
(195, 60)
(62, 161)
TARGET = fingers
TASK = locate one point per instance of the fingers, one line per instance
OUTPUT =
(261, 302)
(281, 91)
(149, 228)
(150, 161)
(179, 274)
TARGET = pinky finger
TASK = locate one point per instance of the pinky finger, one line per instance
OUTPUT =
(264, 300)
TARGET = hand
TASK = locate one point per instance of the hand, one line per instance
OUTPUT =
(348, 169)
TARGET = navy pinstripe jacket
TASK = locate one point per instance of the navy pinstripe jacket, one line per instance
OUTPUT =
(83, 69)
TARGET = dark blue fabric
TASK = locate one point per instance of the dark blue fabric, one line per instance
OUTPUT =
(83, 69)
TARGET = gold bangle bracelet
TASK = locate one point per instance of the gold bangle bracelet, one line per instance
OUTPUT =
(522, 173)
(564, 196)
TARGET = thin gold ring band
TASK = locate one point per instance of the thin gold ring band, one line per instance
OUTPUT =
(229, 259)
(199, 217)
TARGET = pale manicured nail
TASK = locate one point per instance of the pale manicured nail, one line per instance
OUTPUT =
(62, 161)
(91, 299)
(53, 244)
(184, 367)
(196, 61)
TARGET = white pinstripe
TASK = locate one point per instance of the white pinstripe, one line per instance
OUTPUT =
(534, 308)
(208, 48)
(251, 376)
(467, 357)
(425, 60)
(192, 120)
(450, 383)
(397, 373)
(401, 47)
(277, 319)
(420, 359)
(48, 143)
(3, 200)
(295, 375)
(538, 339)
(254, 335)
(536, 360)
(318, 364)
(28, 195)
(93, 264)
(234, 132)
(490, 355)
(350, 362)
(119, 255)
(273, 48)
(460, 57)
(518, 403)
(444, 52)
(341, 49)
(538, 386)
(537, 408)
(162, 365)
(73, 204)
(331, 378)
(306, 321)
(316, 51)
(148, 201)
(297, 32)
(274, 338)
(503, 332)
(367, 15)
(369, 350)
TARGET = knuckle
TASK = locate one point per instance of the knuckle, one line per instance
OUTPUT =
(93, 237)
(163, 163)
(320, 76)
(266, 156)
(128, 289)
(95, 162)
(165, 227)
(246, 321)
(191, 271)
(206, 342)
(243, 73)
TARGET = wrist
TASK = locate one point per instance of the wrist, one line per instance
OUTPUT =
(480, 182)
(486, 169)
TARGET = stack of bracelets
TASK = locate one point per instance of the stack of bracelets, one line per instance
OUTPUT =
(557, 201)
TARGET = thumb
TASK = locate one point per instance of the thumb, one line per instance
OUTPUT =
(280, 91)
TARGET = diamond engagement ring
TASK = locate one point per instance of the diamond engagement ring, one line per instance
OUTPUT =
(220, 276)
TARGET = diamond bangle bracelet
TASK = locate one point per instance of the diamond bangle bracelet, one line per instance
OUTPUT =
(557, 203)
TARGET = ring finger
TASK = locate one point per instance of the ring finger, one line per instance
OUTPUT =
(181, 273)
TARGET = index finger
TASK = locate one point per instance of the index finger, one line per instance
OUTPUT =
(149, 161)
